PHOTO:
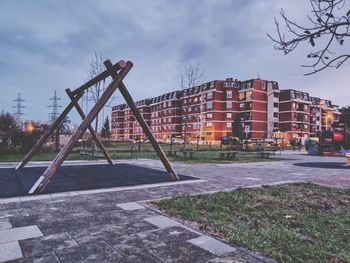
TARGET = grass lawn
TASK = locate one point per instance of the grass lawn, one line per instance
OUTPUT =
(209, 156)
(290, 223)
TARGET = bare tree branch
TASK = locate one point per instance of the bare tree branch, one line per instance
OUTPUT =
(329, 26)
(191, 75)
(95, 68)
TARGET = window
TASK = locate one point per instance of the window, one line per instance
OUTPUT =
(263, 86)
(209, 105)
(210, 95)
(209, 124)
(169, 103)
(229, 125)
(229, 105)
(305, 107)
(195, 99)
(194, 125)
(169, 119)
(229, 94)
(275, 104)
(275, 114)
(229, 115)
(275, 94)
(242, 96)
(209, 115)
(305, 116)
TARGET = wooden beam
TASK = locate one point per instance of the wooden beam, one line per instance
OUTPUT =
(142, 122)
(92, 131)
(44, 179)
(47, 134)
(105, 74)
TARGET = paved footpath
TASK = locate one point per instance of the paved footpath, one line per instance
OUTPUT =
(115, 225)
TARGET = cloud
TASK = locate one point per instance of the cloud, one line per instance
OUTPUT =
(46, 46)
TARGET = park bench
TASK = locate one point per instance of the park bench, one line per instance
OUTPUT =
(188, 152)
(264, 154)
(172, 153)
(230, 155)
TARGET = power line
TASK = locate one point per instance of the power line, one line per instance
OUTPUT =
(18, 108)
(53, 115)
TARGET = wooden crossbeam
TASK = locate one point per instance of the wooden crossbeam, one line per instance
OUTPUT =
(142, 122)
(92, 131)
(105, 74)
(61, 156)
(77, 93)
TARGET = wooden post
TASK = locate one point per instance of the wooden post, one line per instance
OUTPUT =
(78, 93)
(142, 122)
(61, 156)
(92, 131)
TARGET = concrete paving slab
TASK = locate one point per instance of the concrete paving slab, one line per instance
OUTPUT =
(13, 212)
(252, 178)
(130, 206)
(10, 251)
(20, 233)
(212, 245)
(162, 221)
(5, 224)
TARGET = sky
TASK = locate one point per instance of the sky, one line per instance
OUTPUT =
(46, 45)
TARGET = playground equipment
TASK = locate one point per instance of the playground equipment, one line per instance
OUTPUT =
(329, 143)
(118, 72)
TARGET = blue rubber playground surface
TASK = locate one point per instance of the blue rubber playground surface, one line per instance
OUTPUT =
(81, 177)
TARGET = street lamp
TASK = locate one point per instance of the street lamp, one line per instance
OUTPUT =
(185, 110)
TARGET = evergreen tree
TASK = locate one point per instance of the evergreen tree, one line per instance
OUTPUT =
(237, 127)
(106, 129)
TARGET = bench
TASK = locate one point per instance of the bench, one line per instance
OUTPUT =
(172, 153)
(264, 154)
(230, 155)
(188, 152)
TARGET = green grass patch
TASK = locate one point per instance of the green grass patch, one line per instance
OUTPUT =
(290, 223)
(210, 156)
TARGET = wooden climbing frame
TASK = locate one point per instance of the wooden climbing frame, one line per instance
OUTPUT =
(118, 72)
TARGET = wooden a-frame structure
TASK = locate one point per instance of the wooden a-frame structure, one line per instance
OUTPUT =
(118, 72)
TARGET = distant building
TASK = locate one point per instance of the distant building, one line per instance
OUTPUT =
(207, 112)
(204, 113)
(302, 116)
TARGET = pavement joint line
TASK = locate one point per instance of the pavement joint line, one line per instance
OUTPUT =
(96, 191)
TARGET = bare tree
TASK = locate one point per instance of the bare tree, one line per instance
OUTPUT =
(95, 68)
(329, 25)
(191, 75)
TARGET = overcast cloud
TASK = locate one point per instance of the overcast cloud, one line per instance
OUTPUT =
(46, 45)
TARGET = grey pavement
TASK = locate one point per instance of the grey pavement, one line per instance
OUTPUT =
(115, 225)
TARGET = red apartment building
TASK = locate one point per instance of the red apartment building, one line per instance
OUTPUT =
(204, 113)
(301, 116)
(166, 115)
(258, 103)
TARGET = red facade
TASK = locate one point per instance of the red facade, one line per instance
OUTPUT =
(303, 116)
(204, 113)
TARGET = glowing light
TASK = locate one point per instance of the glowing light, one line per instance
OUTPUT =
(30, 127)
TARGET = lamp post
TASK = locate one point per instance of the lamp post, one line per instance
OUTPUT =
(184, 110)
